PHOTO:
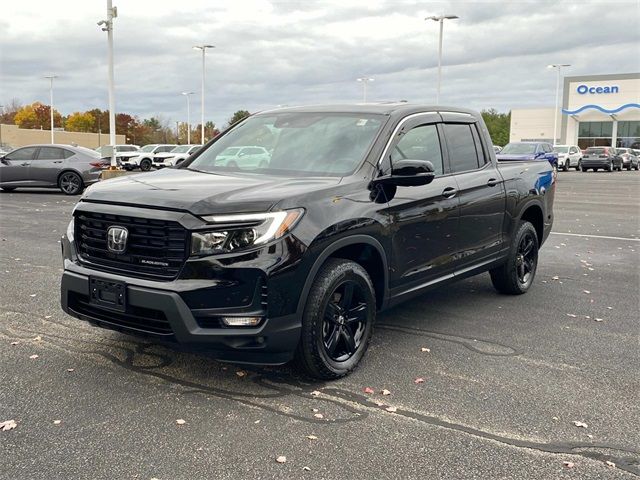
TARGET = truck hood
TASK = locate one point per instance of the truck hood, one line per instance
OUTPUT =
(203, 193)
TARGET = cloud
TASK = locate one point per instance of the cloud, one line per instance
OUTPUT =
(287, 53)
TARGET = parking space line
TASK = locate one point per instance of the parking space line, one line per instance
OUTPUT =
(626, 239)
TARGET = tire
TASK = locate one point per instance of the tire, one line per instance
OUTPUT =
(629, 167)
(145, 164)
(579, 166)
(609, 167)
(8, 189)
(232, 164)
(583, 169)
(70, 183)
(516, 275)
(331, 345)
(565, 168)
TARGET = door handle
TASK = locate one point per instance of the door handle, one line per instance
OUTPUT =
(25, 164)
(492, 182)
(449, 192)
(58, 161)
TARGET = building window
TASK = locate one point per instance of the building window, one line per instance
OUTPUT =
(594, 134)
(628, 134)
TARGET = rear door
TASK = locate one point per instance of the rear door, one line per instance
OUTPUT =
(424, 218)
(481, 192)
(47, 164)
(15, 166)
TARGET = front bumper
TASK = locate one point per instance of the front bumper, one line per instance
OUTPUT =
(189, 308)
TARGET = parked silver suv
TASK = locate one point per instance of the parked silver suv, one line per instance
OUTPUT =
(65, 167)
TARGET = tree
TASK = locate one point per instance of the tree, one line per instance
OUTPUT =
(9, 112)
(498, 124)
(36, 115)
(236, 117)
(80, 122)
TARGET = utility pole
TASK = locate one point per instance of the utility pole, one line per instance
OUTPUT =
(558, 67)
(51, 77)
(364, 81)
(187, 94)
(107, 26)
(441, 19)
(203, 48)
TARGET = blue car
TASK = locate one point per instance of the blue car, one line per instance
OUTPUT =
(515, 151)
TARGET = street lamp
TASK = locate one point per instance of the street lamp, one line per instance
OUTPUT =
(203, 48)
(51, 77)
(557, 66)
(187, 94)
(107, 26)
(440, 19)
(364, 81)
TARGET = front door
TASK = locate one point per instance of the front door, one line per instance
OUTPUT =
(423, 219)
(47, 165)
(14, 168)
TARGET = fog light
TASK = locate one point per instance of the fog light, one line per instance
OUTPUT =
(241, 321)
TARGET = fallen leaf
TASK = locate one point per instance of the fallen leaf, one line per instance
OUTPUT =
(599, 320)
(609, 308)
(312, 437)
(571, 315)
(180, 421)
(423, 349)
(580, 424)
(385, 392)
(33, 357)
(47, 316)
(555, 277)
(315, 393)
(37, 339)
(281, 459)
(568, 464)
(610, 464)
(15, 343)
(419, 380)
(315, 410)
(368, 390)
(306, 469)
(589, 435)
(70, 369)
(391, 409)
(8, 425)
(57, 422)
(318, 415)
(32, 295)
(379, 404)
(241, 373)
(586, 291)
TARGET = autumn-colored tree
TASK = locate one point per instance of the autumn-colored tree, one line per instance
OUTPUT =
(36, 115)
(9, 111)
(80, 122)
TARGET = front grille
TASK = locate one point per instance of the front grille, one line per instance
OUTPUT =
(139, 319)
(155, 249)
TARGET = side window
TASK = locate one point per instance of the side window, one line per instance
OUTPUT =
(67, 153)
(50, 153)
(463, 154)
(420, 143)
(482, 156)
(22, 154)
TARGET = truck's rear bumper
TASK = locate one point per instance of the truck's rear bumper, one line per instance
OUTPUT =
(164, 316)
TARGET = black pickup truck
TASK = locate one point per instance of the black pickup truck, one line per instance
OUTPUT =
(355, 209)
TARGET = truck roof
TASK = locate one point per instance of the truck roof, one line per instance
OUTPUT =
(374, 108)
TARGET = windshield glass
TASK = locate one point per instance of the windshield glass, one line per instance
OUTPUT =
(148, 148)
(293, 144)
(561, 149)
(181, 149)
(519, 148)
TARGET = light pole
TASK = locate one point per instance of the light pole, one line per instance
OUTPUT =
(107, 26)
(203, 48)
(440, 19)
(364, 81)
(51, 77)
(558, 67)
(187, 94)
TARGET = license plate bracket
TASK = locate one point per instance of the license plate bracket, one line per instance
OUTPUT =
(108, 294)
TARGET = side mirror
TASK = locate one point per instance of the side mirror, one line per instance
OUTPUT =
(4, 161)
(409, 173)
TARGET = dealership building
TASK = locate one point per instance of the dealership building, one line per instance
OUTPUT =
(596, 110)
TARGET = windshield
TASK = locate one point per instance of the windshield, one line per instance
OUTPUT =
(293, 144)
(148, 148)
(561, 149)
(519, 148)
(181, 149)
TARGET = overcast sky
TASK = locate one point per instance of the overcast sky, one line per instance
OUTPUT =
(271, 53)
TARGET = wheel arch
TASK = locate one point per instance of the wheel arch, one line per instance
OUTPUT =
(362, 249)
(66, 170)
(533, 214)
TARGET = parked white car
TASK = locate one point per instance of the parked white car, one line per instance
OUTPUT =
(569, 156)
(176, 156)
(143, 158)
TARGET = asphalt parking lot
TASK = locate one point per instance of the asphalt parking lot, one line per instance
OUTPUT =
(505, 378)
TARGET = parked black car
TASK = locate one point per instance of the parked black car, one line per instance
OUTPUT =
(357, 209)
(606, 158)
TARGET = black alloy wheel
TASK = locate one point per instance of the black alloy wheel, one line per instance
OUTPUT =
(145, 164)
(70, 183)
(516, 275)
(337, 322)
(345, 320)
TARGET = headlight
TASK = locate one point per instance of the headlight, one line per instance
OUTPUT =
(237, 232)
